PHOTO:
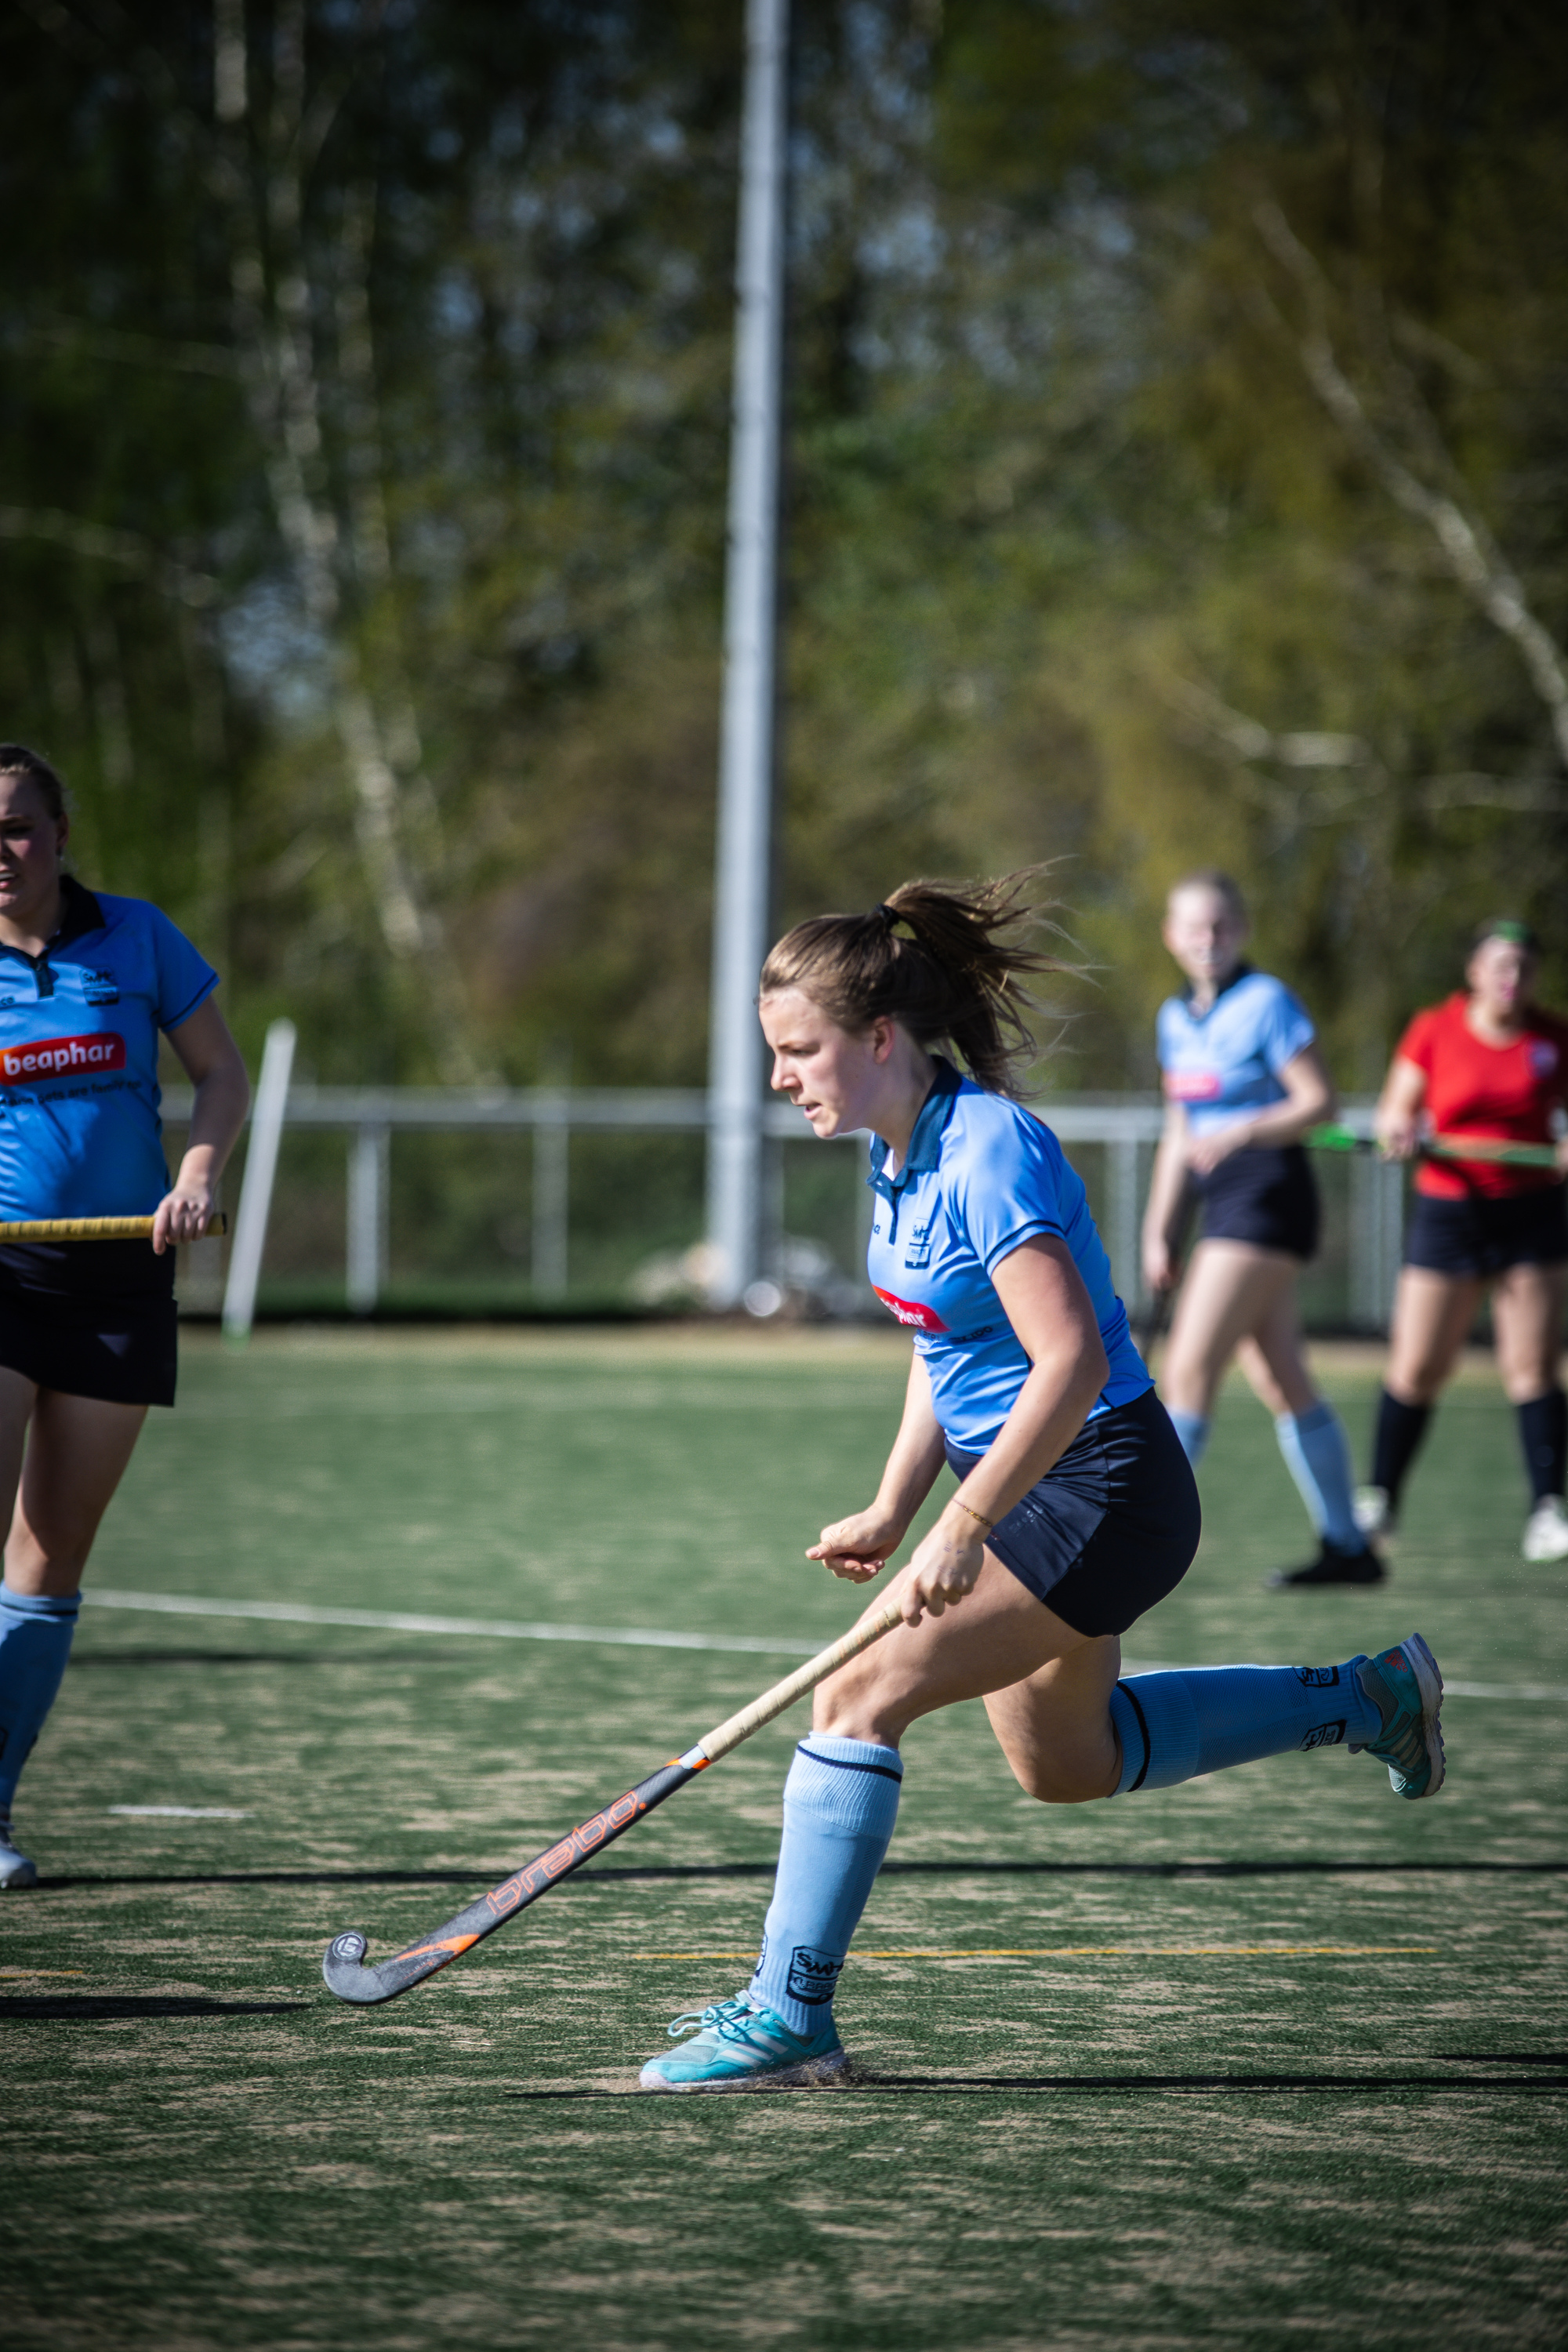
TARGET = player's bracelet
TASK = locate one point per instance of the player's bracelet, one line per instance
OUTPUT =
(987, 1524)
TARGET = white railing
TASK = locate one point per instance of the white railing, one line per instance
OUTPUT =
(1126, 1127)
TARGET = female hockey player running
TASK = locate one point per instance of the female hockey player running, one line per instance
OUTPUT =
(1074, 1509)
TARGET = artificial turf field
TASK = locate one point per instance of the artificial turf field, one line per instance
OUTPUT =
(1273, 2057)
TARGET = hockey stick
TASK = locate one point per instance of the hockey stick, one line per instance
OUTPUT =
(344, 1967)
(1443, 1146)
(96, 1229)
(1152, 1318)
(1149, 1324)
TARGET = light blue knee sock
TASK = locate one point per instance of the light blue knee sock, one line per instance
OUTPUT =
(1319, 1459)
(1193, 1430)
(35, 1643)
(840, 1803)
(1173, 1727)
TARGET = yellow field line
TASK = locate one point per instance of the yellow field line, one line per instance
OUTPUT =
(43, 1972)
(1112, 1952)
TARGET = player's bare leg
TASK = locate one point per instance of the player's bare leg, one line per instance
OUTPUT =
(1527, 1317)
(61, 1458)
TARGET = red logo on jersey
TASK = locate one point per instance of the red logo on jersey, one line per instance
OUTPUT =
(924, 1319)
(1192, 1085)
(54, 1058)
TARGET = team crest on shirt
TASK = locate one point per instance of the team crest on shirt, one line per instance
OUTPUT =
(99, 987)
(1542, 1056)
(908, 1310)
(1192, 1085)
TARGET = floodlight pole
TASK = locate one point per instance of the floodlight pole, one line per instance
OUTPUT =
(742, 873)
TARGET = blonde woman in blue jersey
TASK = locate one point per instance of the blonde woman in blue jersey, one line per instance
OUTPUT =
(1244, 1082)
(86, 1328)
(1074, 1508)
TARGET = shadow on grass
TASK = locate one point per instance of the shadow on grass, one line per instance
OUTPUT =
(968, 1868)
(1505, 2057)
(890, 2087)
(270, 1878)
(80, 2007)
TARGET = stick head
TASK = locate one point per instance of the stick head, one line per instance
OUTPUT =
(345, 1973)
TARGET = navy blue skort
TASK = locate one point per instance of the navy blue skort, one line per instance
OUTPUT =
(1483, 1236)
(90, 1319)
(1112, 1526)
(1265, 1196)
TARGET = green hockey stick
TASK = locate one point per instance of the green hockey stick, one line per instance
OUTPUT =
(1331, 1138)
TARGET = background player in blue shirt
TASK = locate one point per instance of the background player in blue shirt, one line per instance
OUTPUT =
(86, 1328)
(1075, 1508)
(1244, 1082)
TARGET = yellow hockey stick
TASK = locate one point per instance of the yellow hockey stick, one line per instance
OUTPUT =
(95, 1228)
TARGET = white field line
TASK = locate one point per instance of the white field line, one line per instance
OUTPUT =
(388, 1620)
(182, 1812)
(631, 1637)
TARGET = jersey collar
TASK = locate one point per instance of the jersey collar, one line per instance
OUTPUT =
(1244, 970)
(925, 1143)
(80, 914)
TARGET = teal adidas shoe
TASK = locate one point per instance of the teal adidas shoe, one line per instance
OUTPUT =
(1406, 1689)
(742, 2045)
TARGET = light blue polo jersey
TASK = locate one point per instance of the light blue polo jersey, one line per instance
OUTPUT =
(982, 1176)
(80, 1131)
(1221, 1063)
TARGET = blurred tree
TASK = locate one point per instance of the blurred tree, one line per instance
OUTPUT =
(1176, 472)
(1327, 646)
(450, 287)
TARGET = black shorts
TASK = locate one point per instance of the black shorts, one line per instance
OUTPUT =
(1265, 1196)
(90, 1318)
(1112, 1527)
(1488, 1233)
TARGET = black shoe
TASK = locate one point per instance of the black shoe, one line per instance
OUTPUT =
(1334, 1565)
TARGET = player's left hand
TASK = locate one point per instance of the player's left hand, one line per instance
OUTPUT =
(1204, 1152)
(947, 1566)
(182, 1215)
(857, 1547)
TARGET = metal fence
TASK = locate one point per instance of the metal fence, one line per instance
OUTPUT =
(1109, 1137)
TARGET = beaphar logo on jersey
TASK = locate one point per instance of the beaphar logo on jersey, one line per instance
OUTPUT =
(908, 1310)
(1192, 1085)
(58, 1058)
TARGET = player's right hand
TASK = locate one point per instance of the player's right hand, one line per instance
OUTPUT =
(857, 1547)
(1398, 1139)
(182, 1215)
(1159, 1267)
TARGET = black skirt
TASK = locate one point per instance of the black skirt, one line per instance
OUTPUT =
(1112, 1526)
(1483, 1236)
(1265, 1196)
(90, 1319)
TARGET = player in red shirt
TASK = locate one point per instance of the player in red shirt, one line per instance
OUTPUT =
(1490, 1065)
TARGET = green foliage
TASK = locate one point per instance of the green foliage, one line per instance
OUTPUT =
(1079, 565)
